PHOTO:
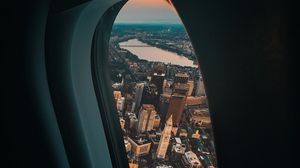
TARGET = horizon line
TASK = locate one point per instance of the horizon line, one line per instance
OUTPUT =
(154, 22)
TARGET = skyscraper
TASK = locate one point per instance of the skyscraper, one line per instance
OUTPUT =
(129, 102)
(177, 102)
(164, 102)
(146, 118)
(191, 87)
(164, 139)
(150, 94)
(138, 94)
(158, 80)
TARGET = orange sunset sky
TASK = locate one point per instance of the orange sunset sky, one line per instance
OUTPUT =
(147, 11)
(147, 2)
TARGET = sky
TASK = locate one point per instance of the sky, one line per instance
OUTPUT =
(147, 11)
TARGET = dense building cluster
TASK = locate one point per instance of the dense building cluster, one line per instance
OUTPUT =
(163, 113)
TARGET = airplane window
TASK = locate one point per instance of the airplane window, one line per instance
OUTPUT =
(158, 89)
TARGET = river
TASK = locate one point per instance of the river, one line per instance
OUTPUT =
(150, 53)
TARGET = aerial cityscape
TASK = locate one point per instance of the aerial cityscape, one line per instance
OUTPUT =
(161, 101)
(159, 94)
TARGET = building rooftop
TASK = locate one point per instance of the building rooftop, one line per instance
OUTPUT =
(203, 112)
(181, 86)
(177, 140)
(148, 106)
(192, 158)
(164, 166)
(126, 142)
(192, 100)
(132, 116)
(165, 95)
(140, 140)
(180, 74)
(122, 120)
(179, 148)
(156, 74)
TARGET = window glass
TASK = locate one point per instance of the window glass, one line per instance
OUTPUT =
(158, 89)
